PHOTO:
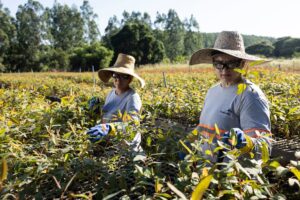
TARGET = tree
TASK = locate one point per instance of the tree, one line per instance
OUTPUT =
(66, 26)
(261, 49)
(7, 36)
(173, 39)
(29, 38)
(136, 17)
(286, 47)
(137, 39)
(91, 31)
(90, 55)
(111, 29)
(192, 38)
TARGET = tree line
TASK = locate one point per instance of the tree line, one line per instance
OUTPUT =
(66, 38)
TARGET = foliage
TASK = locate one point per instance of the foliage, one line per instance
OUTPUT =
(90, 55)
(286, 47)
(137, 39)
(261, 49)
(45, 153)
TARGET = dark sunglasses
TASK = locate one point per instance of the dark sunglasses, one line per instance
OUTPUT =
(121, 76)
(228, 65)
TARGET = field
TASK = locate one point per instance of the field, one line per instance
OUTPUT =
(46, 154)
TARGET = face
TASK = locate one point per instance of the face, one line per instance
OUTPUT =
(224, 66)
(121, 81)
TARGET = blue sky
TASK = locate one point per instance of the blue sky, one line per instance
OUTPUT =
(276, 18)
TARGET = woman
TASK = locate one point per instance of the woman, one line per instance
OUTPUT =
(122, 103)
(235, 105)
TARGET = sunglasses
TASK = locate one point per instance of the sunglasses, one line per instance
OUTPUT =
(121, 76)
(228, 65)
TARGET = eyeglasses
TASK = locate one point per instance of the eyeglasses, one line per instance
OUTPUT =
(121, 76)
(228, 65)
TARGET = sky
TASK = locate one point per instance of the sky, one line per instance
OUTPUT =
(275, 18)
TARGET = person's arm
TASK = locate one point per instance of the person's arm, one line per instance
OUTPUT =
(255, 121)
(132, 110)
(133, 107)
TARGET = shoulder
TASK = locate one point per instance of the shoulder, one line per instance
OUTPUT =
(253, 91)
(134, 95)
(111, 94)
(214, 88)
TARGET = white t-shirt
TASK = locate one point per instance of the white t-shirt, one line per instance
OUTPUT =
(129, 102)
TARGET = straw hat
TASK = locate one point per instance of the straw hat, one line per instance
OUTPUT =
(228, 42)
(125, 65)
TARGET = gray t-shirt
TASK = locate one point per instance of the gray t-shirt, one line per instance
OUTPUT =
(129, 102)
(248, 111)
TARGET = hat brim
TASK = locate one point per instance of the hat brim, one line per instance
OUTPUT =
(205, 56)
(106, 74)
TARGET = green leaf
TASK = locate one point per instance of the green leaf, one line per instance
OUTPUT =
(176, 191)
(201, 188)
(186, 147)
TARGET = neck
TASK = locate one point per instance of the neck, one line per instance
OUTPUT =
(228, 84)
(120, 91)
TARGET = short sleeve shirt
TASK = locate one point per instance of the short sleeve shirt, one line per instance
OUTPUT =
(128, 101)
(248, 111)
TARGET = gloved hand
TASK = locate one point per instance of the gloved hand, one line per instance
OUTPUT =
(94, 105)
(97, 132)
(239, 135)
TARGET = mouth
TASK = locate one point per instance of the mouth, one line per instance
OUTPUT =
(226, 75)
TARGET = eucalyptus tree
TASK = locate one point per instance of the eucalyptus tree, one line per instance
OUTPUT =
(173, 37)
(7, 37)
(66, 27)
(91, 31)
(29, 35)
(192, 37)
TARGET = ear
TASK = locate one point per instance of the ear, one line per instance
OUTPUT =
(243, 63)
(131, 79)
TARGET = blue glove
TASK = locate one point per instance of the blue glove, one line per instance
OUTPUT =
(97, 132)
(240, 137)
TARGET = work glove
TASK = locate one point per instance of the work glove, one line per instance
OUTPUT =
(97, 132)
(239, 136)
(94, 105)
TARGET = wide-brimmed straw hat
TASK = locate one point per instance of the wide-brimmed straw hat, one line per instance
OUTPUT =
(125, 65)
(228, 42)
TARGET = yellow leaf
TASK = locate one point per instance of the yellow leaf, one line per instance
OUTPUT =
(265, 152)
(208, 152)
(4, 170)
(195, 132)
(201, 187)
(211, 138)
(296, 172)
(258, 62)
(204, 172)
(233, 139)
(217, 129)
(186, 147)
(241, 88)
(275, 164)
(158, 186)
